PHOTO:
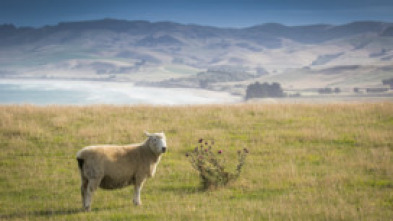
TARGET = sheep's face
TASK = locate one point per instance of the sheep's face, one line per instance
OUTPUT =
(157, 142)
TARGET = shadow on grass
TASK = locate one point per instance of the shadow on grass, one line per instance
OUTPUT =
(56, 212)
(50, 213)
(42, 213)
(181, 190)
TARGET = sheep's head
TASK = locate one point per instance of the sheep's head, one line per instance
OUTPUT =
(156, 142)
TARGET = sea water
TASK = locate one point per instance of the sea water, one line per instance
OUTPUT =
(44, 92)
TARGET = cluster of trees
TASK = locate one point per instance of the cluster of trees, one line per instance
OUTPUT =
(329, 90)
(258, 90)
(388, 82)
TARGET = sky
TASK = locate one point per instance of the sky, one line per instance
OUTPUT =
(220, 13)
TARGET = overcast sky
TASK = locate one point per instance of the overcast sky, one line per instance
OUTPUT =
(222, 13)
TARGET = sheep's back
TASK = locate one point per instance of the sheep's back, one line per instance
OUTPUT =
(114, 161)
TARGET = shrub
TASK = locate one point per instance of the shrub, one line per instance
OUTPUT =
(210, 166)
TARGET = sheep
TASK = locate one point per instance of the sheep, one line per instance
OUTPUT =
(112, 167)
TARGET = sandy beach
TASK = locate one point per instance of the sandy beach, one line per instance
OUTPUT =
(42, 92)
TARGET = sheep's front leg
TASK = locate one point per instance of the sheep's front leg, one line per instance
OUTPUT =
(137, 192)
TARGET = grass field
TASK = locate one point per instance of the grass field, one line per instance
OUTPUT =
(306, 162)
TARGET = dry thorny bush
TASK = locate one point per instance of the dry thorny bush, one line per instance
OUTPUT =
(210, 165)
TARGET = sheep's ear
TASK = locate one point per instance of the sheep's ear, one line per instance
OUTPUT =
(147, 133)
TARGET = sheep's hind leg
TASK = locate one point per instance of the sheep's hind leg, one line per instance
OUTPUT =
(84, 185)
(88, 196)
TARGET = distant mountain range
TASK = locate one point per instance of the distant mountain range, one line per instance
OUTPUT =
(165, 52)
(267, 35)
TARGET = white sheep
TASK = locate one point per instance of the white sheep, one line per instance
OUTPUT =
(113, 167)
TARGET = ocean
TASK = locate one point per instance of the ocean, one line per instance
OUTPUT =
(59, 92)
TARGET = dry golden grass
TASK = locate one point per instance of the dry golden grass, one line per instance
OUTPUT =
(306, 162)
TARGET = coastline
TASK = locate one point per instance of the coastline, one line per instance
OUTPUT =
(107, 92)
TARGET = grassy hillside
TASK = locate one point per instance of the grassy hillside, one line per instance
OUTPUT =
(306, 162)
(358, 54)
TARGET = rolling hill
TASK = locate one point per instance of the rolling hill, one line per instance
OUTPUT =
(168, 54)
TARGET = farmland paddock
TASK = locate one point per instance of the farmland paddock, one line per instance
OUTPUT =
(306, 162)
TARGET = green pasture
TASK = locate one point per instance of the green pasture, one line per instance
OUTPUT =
(306, 162)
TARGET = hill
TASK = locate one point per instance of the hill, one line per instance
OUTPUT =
(137, 51)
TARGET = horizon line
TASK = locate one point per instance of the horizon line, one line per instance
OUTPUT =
(192, 24)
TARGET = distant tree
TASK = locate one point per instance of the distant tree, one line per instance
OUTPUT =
(388, 82)
(254, 90)
(275, 90)
(337, 90)
(376, 90)
(258, 90)
(356, 90)
(325, 90)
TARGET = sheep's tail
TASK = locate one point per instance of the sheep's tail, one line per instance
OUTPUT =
(80, 163)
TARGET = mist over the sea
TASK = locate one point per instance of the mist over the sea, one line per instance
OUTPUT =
(42, 92)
